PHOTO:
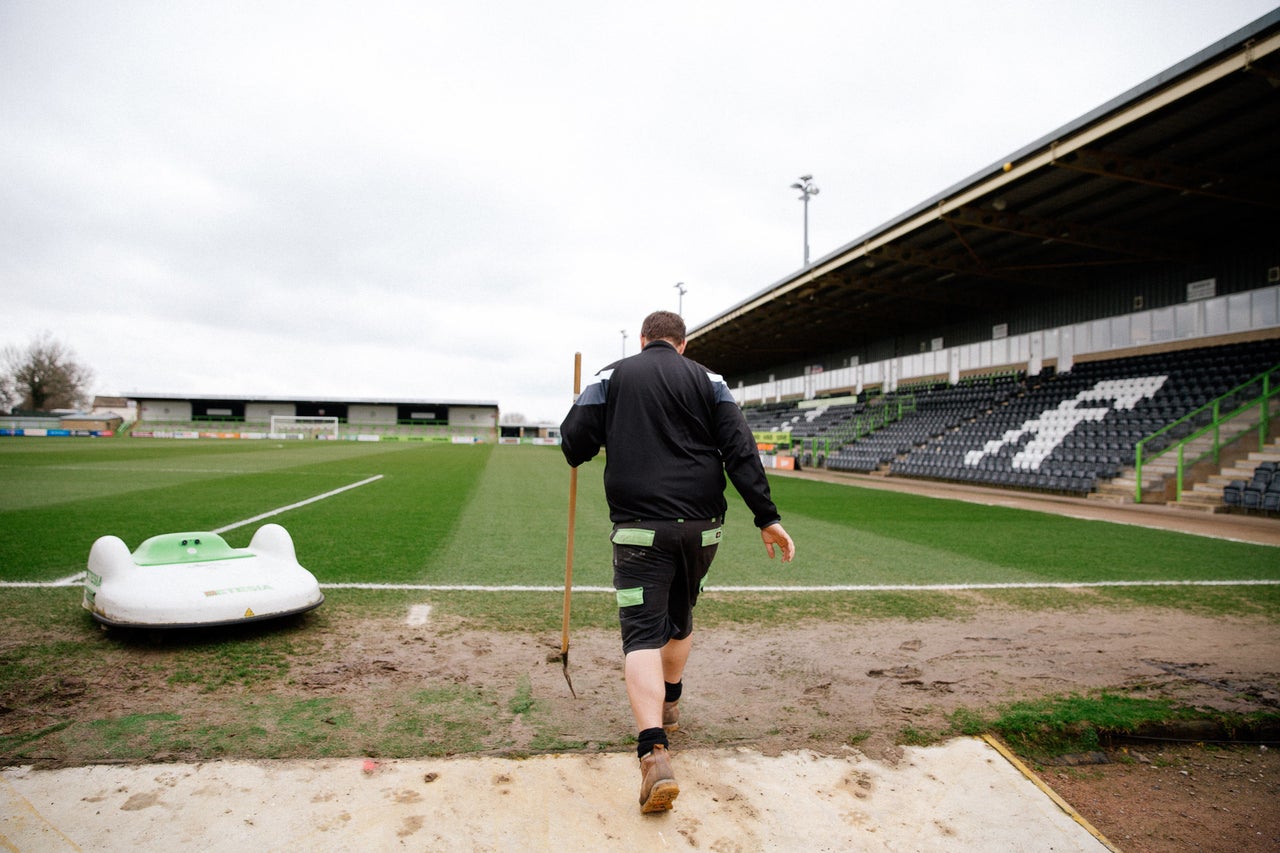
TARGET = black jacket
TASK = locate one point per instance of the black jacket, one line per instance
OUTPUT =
(673, 430)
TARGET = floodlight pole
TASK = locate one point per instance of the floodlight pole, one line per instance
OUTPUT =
(681, 288)
(624, 343)
(807, 188)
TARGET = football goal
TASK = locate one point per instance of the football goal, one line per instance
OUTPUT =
(304, 426)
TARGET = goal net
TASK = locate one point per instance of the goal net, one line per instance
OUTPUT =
(304, 426)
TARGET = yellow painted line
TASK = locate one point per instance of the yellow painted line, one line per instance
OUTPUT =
(29, 816)
(1052, 794)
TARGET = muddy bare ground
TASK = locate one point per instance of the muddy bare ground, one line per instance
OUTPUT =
(823, 687)
(827, 687)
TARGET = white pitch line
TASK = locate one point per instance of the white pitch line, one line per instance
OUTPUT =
(78, 577)
(270, 513)
(940, 587)
(69, 580)
(447, 587)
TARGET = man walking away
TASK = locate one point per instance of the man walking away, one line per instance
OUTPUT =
(673, 432)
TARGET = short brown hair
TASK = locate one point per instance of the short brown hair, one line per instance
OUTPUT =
(663, 325)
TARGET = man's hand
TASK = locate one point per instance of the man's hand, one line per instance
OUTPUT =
(775, 535)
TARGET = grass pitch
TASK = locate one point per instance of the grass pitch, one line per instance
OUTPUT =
(496, 516)
(491, 516)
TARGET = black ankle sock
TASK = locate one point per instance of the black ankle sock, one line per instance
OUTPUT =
(674, 690)
(648, 739)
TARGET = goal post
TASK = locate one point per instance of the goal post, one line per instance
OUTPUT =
(304, 426)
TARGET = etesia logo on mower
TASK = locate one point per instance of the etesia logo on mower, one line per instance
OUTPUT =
(259, 588)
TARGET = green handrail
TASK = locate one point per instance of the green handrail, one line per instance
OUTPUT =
(893, 409)
(1270, 389)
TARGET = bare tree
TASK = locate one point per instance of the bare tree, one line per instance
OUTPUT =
(43, 376)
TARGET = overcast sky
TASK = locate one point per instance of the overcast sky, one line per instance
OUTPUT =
(446, 200)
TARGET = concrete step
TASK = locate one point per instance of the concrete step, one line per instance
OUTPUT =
(1189, 505)
(1107, 498)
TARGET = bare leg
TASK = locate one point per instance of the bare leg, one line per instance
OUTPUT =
(674, 656)
(645, 671)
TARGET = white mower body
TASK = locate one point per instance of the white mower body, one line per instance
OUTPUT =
(184, 580)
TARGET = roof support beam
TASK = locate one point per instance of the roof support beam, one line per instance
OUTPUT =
(1156, 173)
(955, 263)
(1070, 233)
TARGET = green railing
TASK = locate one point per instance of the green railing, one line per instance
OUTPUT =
(893, 409)
(1218, 427)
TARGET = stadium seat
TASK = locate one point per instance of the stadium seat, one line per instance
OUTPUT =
(1251, 498)
(1271, 497)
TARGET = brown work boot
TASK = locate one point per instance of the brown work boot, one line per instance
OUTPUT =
(658, 788)
(671, 716)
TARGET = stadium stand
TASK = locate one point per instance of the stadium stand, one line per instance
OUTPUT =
(938, 411)
(1059, 432)
(1121, 272)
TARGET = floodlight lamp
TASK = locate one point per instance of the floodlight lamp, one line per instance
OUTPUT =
(806, 177)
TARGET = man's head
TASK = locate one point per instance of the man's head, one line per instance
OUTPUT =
(663, 326)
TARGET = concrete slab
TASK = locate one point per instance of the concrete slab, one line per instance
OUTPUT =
(962, 795)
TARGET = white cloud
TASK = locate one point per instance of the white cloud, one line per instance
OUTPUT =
(449, 199)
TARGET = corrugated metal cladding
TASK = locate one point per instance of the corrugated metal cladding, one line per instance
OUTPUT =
(1110, 295)
(1126, 292)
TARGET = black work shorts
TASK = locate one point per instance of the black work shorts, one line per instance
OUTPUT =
(658, 569)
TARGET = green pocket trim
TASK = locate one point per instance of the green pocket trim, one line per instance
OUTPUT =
(630, 597)
(712, 537)
(633, 536)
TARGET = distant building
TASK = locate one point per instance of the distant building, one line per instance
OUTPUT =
(529, 433)
(123, 407)
(80, 423)
(164, 415)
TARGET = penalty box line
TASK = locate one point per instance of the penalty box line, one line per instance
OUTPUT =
(283, 509)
